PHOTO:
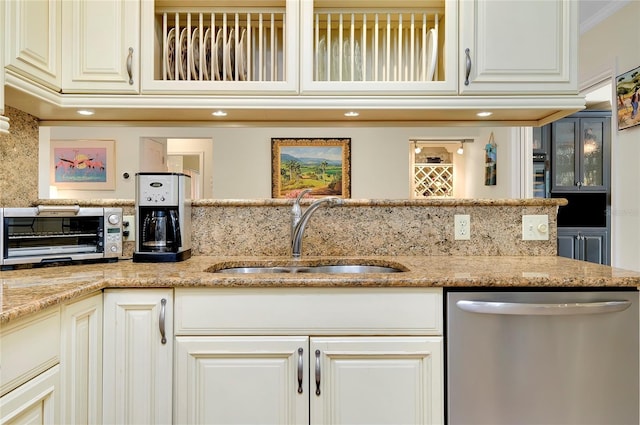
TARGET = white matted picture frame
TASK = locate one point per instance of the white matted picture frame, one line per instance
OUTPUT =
(83, 164)
(628, 99)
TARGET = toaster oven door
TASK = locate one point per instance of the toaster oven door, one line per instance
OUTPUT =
(33, 237)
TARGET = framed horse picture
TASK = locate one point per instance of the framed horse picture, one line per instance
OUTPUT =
(83, 164)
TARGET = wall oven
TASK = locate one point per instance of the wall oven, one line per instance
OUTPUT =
(541, 176)
(58, 234)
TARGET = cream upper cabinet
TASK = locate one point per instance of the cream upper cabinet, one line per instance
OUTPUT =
(101, 44)
(4, 121)
(137, 356)
(229, 47)
(518, 47)
(33, 34)
(378, 47)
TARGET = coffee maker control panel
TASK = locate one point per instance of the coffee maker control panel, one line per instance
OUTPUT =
(158, 189)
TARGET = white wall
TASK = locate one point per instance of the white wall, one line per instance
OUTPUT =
(612, 48)
(196, 146)
(242, 158)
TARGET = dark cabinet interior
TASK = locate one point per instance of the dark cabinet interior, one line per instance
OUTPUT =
(578, 154)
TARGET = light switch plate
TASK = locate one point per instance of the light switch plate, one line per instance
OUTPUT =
(535, 227)
(462, 227)
(130, 227)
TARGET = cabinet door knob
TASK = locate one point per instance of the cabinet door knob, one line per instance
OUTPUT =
(468, 66)
(130, 65)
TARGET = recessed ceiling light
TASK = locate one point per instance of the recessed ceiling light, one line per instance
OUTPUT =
(484, 114)
(219, 114)
(86, 112)
(351, 114)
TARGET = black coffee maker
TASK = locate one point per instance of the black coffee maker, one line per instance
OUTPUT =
(163, 217)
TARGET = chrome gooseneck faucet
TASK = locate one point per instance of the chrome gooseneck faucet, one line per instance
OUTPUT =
(299, 220)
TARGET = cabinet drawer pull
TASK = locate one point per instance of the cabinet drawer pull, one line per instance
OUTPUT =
(130, 65)
(318, 372)
(468, 66)
(300, 370)
(163, 307)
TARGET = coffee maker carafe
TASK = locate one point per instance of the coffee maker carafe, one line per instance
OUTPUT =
(163, 217)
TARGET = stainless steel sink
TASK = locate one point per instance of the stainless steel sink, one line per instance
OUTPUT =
(330, 269)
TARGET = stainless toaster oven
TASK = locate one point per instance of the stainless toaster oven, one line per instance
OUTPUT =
(57, 234)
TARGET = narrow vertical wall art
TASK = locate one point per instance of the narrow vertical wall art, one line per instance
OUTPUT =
(491, 156)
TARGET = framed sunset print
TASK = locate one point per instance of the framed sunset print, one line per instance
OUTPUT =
(83, 164)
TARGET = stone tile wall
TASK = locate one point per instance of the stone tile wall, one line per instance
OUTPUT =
(19, 160)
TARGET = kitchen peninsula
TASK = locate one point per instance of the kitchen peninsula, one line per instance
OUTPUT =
(139, 321)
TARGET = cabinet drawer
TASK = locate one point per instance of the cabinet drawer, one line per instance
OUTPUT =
(315, 311)
(28, 347)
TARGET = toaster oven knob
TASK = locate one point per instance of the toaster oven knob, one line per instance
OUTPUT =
(114, 219)
(114, 248)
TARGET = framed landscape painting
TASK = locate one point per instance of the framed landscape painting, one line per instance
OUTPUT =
(322, 165)
(83, 164)
(628, 98)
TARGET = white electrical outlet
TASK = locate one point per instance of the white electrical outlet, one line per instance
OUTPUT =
(462, 227)
(535, 227)
(129, 225)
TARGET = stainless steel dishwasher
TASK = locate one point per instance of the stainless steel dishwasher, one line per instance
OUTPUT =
(543, 358)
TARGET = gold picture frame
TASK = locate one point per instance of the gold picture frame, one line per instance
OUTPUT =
(83, 164)
(322, 165)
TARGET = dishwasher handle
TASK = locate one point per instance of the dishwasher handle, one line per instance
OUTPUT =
(551, 309)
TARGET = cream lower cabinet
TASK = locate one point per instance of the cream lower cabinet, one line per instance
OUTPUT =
(297, 380)
(35, 402)
(29, 369)
(241, 380)
(137, 356)
(381, 380)
(81, 362)
(309, 355)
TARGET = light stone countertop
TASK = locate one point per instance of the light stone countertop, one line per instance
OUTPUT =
(27, 291)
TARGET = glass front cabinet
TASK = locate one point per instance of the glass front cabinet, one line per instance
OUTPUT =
(580, 153)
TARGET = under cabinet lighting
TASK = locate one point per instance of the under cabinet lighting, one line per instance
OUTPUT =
(86, 112)
(484, 114)
(219, 114)
(351, 114)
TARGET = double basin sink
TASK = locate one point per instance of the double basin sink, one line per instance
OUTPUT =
(357, 267)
